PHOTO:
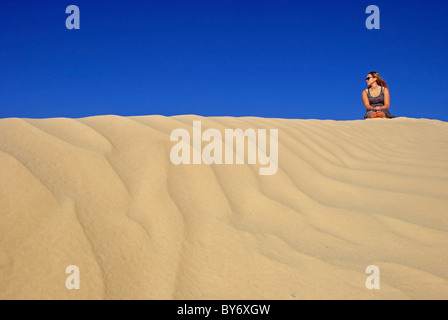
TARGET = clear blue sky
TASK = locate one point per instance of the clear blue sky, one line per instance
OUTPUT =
(276, 58)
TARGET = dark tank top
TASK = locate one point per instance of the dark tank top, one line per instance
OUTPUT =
(376, 101)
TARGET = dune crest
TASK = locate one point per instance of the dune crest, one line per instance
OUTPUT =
(101, 193)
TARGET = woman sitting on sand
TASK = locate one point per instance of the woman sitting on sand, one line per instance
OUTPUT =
(376, 97)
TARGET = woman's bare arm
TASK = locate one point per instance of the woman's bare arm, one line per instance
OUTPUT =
(365, 99)
(386, 99)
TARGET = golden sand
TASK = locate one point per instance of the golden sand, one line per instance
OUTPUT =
(101, 193)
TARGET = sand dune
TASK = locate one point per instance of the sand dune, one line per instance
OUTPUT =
(101, 193)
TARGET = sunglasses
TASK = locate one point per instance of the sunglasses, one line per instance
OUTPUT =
(368, 78)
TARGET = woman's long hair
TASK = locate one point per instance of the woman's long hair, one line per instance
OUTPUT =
(379, 81)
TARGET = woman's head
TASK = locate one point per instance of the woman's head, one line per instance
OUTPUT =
(375, 77)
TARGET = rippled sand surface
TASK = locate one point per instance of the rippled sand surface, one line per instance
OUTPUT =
(101, 193)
